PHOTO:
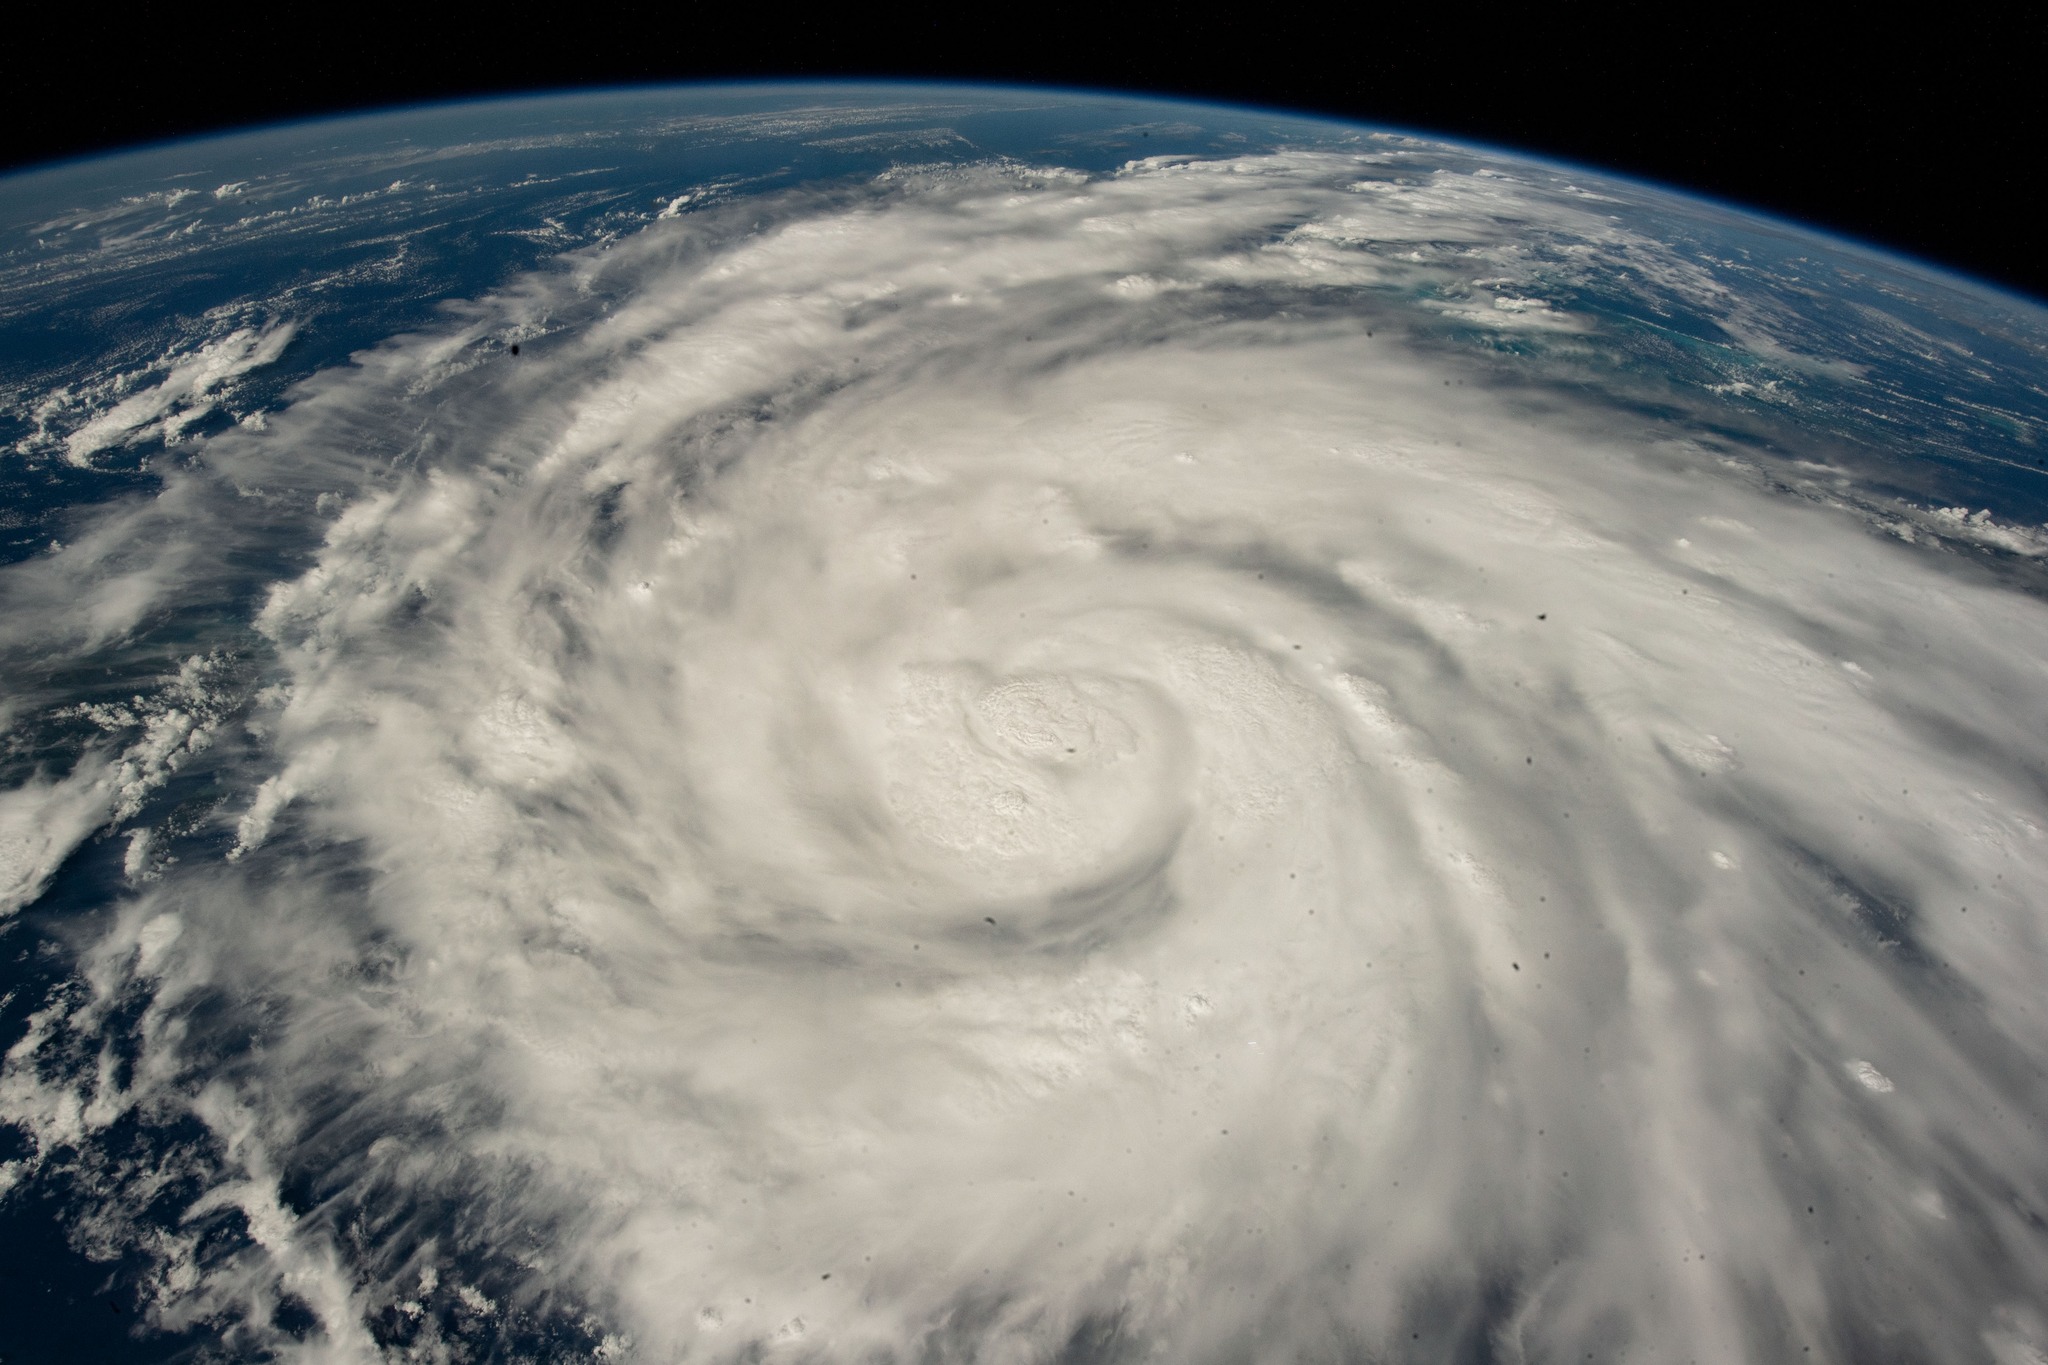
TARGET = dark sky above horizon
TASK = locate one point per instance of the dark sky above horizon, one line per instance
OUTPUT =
(1923, 138)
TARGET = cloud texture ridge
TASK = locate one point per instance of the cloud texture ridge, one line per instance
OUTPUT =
(1000, 765)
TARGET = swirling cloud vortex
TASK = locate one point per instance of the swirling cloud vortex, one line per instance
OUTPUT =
(1011, 767)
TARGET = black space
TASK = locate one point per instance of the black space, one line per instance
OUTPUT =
(1924, 133)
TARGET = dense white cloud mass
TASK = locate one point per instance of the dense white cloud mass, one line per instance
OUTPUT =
(1004, 766)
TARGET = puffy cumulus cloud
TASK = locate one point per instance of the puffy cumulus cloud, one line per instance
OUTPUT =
(1009, 767)
(163, 400)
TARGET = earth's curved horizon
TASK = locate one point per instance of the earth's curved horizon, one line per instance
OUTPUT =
(1842, 237)
(812, 722)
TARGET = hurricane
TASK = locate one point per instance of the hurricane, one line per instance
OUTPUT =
(993, 762)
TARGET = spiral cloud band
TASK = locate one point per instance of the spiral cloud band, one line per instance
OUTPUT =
(1004, 765)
